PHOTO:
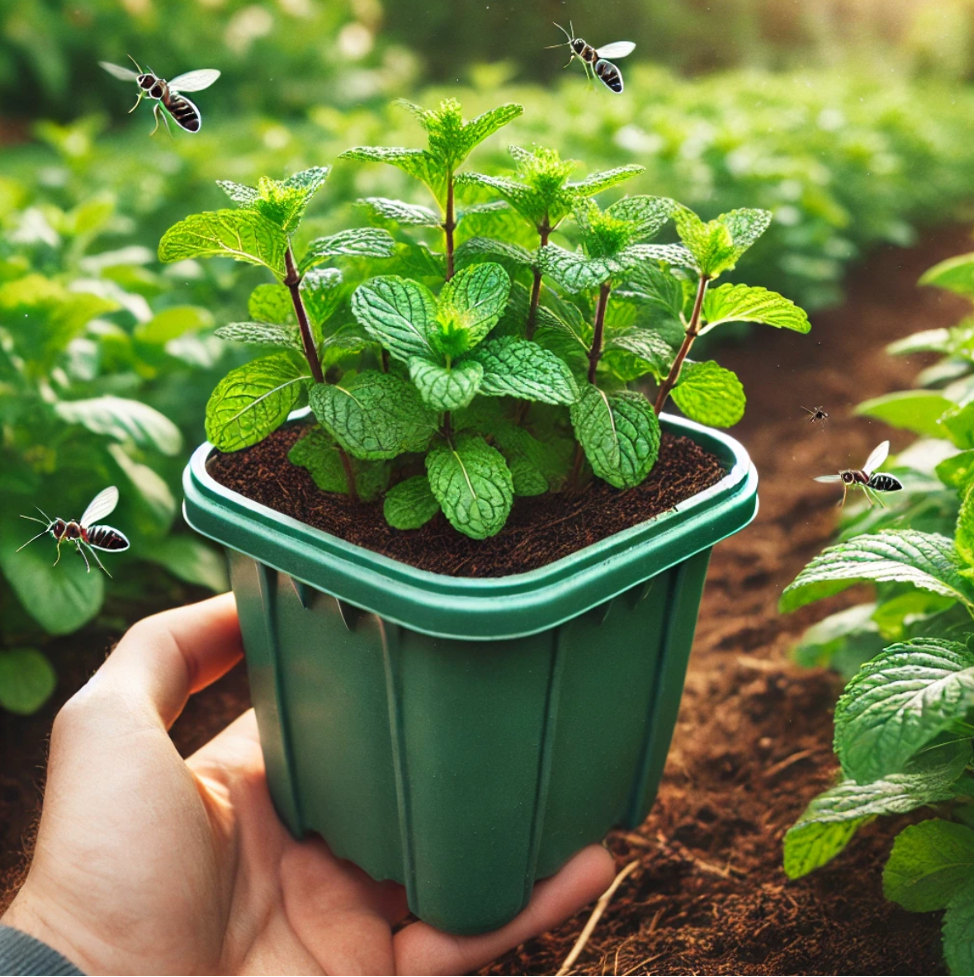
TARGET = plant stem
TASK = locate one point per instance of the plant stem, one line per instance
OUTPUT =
(449, 225)
(385, 360)
(595, 353)
(293, 282)
(693, 330)
(544, 230)
(447, 426)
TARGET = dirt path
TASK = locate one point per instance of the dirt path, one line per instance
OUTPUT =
(753, 741)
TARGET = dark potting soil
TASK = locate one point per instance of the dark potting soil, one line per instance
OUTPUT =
(540, 529)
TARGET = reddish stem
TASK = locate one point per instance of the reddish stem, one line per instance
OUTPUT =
(693, 330)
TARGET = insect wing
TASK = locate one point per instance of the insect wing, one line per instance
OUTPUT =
(101, 505)
(123, 74)
(828, 478)
(184, 113)
(106, 538)
(876, 459)
(194, 81)
(617, 49)
(609, 75)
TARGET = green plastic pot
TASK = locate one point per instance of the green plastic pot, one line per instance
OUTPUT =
(466, 737)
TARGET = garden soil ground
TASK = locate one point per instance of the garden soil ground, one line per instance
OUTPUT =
(752, 745)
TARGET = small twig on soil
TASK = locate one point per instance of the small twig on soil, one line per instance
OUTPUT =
(593, 920)
(642, 963)
(788, 761)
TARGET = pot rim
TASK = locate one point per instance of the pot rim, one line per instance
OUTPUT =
(490, 608)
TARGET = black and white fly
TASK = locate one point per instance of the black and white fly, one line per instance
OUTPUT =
(867, 478)
(168, 94)
(83, 532)
(596, 60)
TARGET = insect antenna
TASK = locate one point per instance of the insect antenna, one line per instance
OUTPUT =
(31, 540)
(35, 519)
(571, 36)
(136, 63)
(43, 513)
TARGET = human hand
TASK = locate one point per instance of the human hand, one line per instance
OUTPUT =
(146, 863)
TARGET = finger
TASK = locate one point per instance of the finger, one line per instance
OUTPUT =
(421, 949)
(162, 659)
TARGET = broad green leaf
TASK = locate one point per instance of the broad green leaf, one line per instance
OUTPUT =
(478, 129)
(636, 352)
(958, 424)
(60, 598)
(910, 410)
(172, 323)
(710, 394)
(253, 400)
(192, 560)
(122, 419)
(322, 292)
(958, 932)
(647, 214)
(374, 415)
(285, 201)
(536, 466)
(356, 242)
(318, 453)
(964, 535)
(955, 274)
(271, 303)
(27, 679)
(410, 504)
(619, 433)
(399, 212)
(152, 489)
(717, 245)
(958, 470)
(472, 483)
(524, 199)
(446, 388)
(477, 249)
(239, 193)
(469, 306)
(670, 254)
(417, 163)
(931, 862)
(831, 819)
(925, 560)
(898, 702)
(515, 367)
(261, 334)
(398, 313)
(842, 641)
(597, 182)
(750, 303)
(575, 271)
(925, 341)
(241, 234)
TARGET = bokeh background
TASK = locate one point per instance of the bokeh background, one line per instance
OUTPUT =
(852, 120)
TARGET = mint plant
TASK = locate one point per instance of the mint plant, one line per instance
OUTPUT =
(457, 381)
(903, 726)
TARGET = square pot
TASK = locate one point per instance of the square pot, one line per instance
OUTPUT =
(463, 736)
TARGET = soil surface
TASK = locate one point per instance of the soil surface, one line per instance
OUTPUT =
(539, 530)
(753, 741)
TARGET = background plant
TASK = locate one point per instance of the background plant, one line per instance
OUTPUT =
(903, 730)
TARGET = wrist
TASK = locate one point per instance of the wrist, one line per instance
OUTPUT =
(25, 915)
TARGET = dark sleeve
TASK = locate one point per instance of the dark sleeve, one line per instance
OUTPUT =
(22, 955)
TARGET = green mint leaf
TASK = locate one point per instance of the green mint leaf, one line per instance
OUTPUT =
(398, 313)
(524, 199)
(271, 303)
(172, 323)
(253, 400)
(646, 214)
(910, 410)
(60, 598)
(262, 334)
(515, 367)
(239, 193)
(670, 254)
(536, 466)
(597, 182)
(473, 485)
(410, 504)
(322, 291)
(925, 560)
(122, 419)
(469, 306)
(356, 242)
(958, 932)
(955, 274)
(374, 415)
(240, 234)
(925, 341)
(718, 244)
(750, 303)
(318, 453)
(898, 702)
(575, 271)
(480, 128)
(445, 388)
(964, 535)
(831, 819)
(958, 424)
(27, 679)
(635, 352)
(399, 212)
(619, 433)
(416, 260)
(842, 641)
(958, 470)
(417, 163)
(931, 862)
(478, 249)
(710, 394)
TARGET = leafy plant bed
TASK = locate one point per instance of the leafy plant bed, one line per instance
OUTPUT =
(540, 530)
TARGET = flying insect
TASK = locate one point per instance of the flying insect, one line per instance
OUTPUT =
(867, 478)
(595, 60)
